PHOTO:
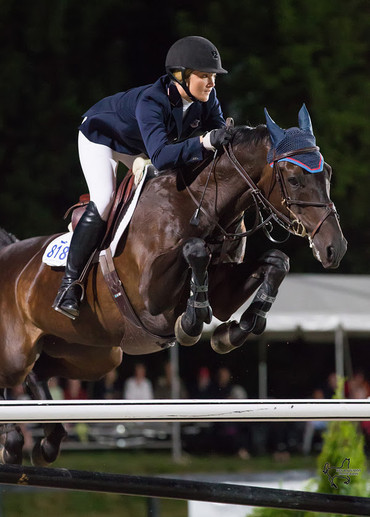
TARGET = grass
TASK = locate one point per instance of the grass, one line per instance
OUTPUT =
(29, 502)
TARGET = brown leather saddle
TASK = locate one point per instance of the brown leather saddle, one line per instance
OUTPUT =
(121, 202)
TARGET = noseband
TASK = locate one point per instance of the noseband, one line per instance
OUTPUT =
(265, 211)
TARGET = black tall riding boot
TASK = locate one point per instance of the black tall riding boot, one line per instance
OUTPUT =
(86, 238)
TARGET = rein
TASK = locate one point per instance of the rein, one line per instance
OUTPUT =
(261, 202)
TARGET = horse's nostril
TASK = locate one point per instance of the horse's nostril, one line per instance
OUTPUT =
(330, 252)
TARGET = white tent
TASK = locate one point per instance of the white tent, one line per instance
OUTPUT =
(323, 307)
(317, 304)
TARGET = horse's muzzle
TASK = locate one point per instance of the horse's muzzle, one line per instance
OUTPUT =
(329, 254)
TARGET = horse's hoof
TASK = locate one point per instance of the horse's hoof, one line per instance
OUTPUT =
(11, 446)
(7, 458)
(37, 455)
(220, 340)
(182, 337)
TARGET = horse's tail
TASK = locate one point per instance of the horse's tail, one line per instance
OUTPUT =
(6, 238)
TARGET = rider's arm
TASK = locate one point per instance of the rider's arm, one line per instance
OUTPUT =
(164, 154)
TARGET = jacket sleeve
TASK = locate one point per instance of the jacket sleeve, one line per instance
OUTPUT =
(151, 117)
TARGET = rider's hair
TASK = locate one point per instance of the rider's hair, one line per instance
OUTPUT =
(182, 75)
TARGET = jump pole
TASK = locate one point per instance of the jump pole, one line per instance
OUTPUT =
(258, 410)
(171, 488)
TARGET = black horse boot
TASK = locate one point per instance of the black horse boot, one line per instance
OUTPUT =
(86, 238)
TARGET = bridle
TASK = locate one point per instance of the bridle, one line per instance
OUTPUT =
(288, 201)
(265, 211)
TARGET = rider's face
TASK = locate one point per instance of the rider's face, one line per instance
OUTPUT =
(200, 85)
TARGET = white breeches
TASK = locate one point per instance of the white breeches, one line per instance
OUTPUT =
(99, 164)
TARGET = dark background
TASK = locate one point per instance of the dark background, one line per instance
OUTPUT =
(59, 57)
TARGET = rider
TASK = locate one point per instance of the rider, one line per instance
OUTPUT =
(157, 121)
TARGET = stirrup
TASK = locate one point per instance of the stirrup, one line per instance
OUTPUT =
(60, 297)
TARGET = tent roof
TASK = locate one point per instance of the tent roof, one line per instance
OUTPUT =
(315, 305)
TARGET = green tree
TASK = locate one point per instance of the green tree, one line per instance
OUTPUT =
(282, 53)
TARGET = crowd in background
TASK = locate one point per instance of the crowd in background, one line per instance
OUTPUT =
(281, 439)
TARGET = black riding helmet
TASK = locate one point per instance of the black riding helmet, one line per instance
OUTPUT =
(193, 53)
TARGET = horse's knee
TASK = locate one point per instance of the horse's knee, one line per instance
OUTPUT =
(196, 253)
(276, 258)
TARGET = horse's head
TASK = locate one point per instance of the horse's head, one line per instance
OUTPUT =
(304, 181)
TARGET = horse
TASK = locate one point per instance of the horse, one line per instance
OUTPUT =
(180, 261)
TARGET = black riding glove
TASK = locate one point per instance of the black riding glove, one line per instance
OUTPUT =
(216, 138)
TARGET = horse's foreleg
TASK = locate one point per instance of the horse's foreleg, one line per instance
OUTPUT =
(189, 325)
(273, 267)
(47, 449)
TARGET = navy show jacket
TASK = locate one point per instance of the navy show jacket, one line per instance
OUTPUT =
(149, 119)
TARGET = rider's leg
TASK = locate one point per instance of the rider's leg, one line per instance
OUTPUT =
(86, 238)
(99, 165)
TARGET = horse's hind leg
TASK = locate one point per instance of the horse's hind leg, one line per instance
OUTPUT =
(46, 450)
(189, 325)
(11, 441)
(274, 265)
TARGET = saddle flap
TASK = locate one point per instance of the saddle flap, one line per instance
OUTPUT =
(122, 197)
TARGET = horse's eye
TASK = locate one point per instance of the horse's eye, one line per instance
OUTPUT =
(292, 180)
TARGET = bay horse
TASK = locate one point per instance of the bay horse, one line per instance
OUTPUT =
(180, 260)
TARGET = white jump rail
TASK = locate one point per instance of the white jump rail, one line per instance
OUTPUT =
(256, 410)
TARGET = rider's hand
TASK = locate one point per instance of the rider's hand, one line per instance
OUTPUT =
(216, 138)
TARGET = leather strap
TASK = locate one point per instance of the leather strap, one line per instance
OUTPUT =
(119, 294)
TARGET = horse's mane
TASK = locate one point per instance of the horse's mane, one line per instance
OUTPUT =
(250, 135)
(241, 134)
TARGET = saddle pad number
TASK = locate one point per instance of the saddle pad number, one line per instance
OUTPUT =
(56, 252)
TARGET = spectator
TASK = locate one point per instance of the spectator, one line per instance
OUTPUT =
(358, 387)
(225, 388)
(204, 388)
(230, 437)
(55, 389)
(330, 386)
(163, 386)
(74, 390)
(312, 435)
(106, 388)
(138, 387)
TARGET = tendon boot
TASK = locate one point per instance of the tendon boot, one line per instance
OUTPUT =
(86, 238)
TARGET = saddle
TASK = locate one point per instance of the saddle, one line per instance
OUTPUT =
(121, 201)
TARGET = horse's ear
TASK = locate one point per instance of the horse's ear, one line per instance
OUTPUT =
(304, 119)
(276, 133)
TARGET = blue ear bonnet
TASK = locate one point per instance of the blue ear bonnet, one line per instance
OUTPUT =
(295, 138)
